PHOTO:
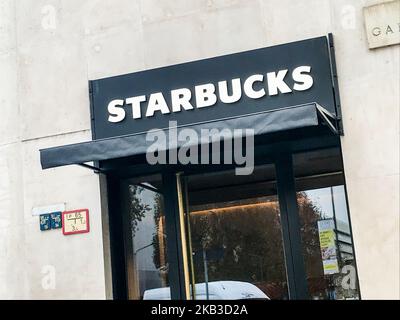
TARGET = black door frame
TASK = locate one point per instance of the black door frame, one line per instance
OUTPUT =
(297, 285)
(290, 224)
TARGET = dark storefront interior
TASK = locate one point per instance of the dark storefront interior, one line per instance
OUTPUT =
(234, 237)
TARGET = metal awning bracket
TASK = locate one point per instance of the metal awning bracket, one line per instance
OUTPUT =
(88, 166)
(329, 119)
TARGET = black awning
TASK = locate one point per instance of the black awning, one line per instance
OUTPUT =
(294, 117)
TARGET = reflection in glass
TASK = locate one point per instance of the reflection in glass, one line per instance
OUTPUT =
(147, 266)
(325, 227)
(236, 239)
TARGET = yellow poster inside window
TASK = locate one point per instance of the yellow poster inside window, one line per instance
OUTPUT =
(327, 241)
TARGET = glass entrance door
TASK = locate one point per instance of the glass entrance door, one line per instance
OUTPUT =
(234, 235)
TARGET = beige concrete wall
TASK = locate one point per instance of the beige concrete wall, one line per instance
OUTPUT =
(50, 48)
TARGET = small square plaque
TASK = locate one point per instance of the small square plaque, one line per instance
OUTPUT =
(55, 220)
(45, 223)
(382, 23)
(75, 221)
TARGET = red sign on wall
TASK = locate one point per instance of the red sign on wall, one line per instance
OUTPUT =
(75, 221)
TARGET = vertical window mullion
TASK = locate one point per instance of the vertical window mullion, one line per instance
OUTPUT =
(291, 227)
(174, 243)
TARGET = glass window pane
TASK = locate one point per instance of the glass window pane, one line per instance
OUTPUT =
(325, 228)
(236, 239)
(146, 254)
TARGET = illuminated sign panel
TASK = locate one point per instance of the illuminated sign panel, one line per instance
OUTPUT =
(234, 85)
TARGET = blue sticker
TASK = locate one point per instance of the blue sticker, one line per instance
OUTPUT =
(45, 223)
(55, 218)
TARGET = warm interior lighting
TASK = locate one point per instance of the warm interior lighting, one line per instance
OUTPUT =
(232, 208)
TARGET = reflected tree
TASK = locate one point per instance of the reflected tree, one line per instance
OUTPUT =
(159, 243)
(310, 213)
(137, 209)
(158, 222)
(251, 241)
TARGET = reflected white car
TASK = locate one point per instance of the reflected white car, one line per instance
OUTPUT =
(217, 290)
